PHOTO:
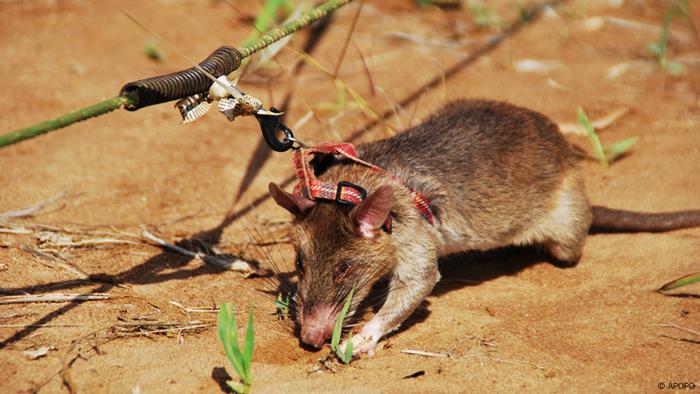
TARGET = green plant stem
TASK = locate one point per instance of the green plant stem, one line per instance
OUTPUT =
(119, 101)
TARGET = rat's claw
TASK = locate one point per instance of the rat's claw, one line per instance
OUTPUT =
(362, 344)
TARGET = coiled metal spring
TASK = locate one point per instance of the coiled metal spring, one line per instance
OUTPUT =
(183, 83)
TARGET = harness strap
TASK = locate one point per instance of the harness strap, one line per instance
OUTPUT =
(344, 192)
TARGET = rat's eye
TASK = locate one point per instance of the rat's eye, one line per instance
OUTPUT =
(345, 269)
(299, 263)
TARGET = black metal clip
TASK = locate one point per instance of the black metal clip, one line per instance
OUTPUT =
(270, 125)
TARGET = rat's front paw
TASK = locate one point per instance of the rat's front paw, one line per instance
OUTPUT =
(366, 341)
(364, 344)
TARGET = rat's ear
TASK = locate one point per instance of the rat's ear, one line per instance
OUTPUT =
(297, 205)
(369, 215)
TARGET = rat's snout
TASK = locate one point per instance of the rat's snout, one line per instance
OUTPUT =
(317, 324)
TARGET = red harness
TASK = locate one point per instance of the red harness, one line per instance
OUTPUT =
(343, 192)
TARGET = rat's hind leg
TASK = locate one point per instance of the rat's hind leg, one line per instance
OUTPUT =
(568, 223)
(566, 251)
(563, 228)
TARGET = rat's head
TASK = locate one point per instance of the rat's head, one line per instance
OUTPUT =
(338, 248)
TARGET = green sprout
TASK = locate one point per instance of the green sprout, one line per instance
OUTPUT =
(228, 334)
(524, 12)
(680, 282)
(344, 356)
(610, 153)
(282, 305)
(678, 8)
(151, 50)
(484, 17)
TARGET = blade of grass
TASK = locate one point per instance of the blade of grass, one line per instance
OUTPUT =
(595, 141)
(338, 328)
(237, 386)
(222, 326)
(619, 148)
(228, 332)
(151, 50)
(484, 17)
(347, 39)
(348, 352)
(364, 105)
(680, 282)
(660, 47)
(248, 347)
(282, 305)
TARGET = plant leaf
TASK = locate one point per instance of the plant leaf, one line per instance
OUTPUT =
(655, 48)
(348, 352)
(223, 323)
(680, 282)
(151, 50)
(338, 328)
(248, 346)
(228, 334)
(614, 151)
(674, 68)
(237, 386)
(595, 141)
(282, 305)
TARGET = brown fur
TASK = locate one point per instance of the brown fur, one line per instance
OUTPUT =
(496, 175)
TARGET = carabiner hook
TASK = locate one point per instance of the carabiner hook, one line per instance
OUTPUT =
(270, 125)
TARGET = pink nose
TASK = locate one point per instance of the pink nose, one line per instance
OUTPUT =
(317, 325)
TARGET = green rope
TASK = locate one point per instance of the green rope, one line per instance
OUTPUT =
(278, 33)
(63, 121)
(119, 101)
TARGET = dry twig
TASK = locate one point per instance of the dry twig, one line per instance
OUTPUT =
(145, 329)
(233, 264)
(58, 297)
(425, 354)
(32, 209)
(671, 325)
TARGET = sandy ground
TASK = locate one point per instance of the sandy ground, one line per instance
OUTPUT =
(509, 320)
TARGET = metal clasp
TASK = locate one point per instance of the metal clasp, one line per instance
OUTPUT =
(270, 125)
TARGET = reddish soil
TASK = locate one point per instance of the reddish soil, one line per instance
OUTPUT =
(509, 320)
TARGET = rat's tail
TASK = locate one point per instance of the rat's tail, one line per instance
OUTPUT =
(607, 219)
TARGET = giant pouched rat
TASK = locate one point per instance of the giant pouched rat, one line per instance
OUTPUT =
(495, 174)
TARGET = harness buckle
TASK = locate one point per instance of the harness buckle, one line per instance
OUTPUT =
(339, 190)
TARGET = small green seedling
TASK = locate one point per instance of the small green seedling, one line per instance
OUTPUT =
(344, 356)
(152, 51)
(614, 151)
(610, 153)
(680, 282)
(241, 360)
(524, 12)
(678, 8)
(282, 305)
(484, 18)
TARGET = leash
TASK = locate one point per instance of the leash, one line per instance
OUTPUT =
(200, 88)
